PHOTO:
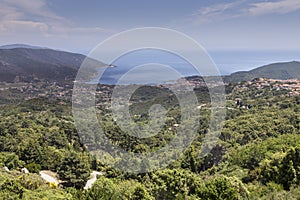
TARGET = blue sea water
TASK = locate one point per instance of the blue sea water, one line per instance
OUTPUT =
(226, 62)
(233, 61)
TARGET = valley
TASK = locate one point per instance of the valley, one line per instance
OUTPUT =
(256, 155)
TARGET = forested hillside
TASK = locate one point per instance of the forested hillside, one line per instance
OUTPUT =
(257, 155)
(284, 70)
(26, 64)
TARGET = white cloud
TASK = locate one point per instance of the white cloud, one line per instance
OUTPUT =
(26, 16)
(22, 9)
(216, 12)
(279, 7)
(35, 17)
(224, 11)
(217, 9)
(23, 27)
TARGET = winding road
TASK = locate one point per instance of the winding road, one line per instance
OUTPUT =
(52, 179)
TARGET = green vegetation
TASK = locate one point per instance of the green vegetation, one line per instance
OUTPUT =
(288, 70)
(257, 155)
(26, 65)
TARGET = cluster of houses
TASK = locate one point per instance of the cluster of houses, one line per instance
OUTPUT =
(291, 85)
(31, 90)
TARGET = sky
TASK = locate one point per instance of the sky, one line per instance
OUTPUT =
(78, 26)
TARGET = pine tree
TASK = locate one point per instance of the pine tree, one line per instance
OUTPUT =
(74, 172)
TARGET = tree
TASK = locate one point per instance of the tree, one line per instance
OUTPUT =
(288, 174)
(169, 184)
(116, 189)
(283, 170)
(288, 168)
(74, 171)
(219, 188)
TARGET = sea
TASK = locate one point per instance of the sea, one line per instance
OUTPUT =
(149, 66)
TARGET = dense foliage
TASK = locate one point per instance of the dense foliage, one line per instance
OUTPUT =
(257, 155)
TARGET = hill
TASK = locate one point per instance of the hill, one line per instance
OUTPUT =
(28, 63)
(14, 46)
(284, 70)
(20, 62)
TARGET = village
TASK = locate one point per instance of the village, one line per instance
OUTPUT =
(54, 90)
(292, 86)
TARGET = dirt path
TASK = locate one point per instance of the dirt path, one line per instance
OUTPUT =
(47, 176)
(51, 178)
(91, 181)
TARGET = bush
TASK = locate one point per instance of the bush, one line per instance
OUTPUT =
(33, 167)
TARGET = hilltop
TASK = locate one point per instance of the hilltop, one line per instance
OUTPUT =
(283, 71)
(26, 64)
(14, 46)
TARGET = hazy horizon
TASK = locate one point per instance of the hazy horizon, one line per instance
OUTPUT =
(227, 61)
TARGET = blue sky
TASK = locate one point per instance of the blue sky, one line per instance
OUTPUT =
(79, 26)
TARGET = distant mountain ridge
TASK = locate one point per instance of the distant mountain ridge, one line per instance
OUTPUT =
(284, 70)
(47, 64)
(26, 46)
(21, 62)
